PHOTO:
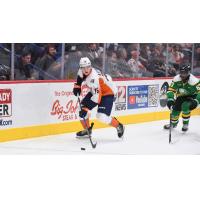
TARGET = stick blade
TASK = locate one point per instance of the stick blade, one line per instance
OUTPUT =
(94, 145)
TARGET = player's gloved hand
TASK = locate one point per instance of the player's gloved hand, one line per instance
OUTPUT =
(193, 103)
(170, 103)
(83, 112)
(77, 89)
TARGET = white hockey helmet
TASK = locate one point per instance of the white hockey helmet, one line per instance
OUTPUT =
(85, 62)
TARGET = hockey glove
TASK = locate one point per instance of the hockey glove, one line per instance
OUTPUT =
(170, 103)
(77, 89)
(193, 103)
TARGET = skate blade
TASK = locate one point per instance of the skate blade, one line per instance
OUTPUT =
(82, 137)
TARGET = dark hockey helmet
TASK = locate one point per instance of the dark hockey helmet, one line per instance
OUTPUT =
(185, 71)
(185, 68)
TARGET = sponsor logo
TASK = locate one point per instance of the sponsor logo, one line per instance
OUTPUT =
(5, 102)
(65, 112)
(143, 96)
(137, 96)
(5, 122)
(120, 102)
(84, 90)
(101, 107)
(131, 100)
(5, 106)
(65, 105)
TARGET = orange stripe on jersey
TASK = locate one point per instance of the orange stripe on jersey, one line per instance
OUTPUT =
(105, 89)
(100, 95)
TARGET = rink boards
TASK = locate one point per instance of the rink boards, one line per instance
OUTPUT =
(33, 109)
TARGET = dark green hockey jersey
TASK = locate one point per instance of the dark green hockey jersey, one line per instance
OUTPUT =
(178, 88)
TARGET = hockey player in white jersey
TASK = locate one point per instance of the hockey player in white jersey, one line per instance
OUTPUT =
(102, 94)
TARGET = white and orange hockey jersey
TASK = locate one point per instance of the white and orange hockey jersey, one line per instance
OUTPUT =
(99, 84)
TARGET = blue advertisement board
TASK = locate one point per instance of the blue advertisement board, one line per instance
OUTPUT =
(142, 96)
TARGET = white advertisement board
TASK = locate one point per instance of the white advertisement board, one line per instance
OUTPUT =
(30, 104)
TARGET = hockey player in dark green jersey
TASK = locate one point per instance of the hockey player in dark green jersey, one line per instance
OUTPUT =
(183, 96)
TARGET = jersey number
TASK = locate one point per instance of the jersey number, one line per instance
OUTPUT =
(96, 90)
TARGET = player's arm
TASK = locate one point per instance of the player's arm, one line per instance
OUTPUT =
(194, 102)
(171, 94)
(91, 100)
(198, 92)
(172, 90)
(93, 97)
(77, 85)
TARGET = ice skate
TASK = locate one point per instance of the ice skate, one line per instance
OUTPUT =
(120, 130)
(167, 126)
(185, 127)
(84, 133)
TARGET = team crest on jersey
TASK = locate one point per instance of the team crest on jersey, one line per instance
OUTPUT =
(182, 91)
(92, 81)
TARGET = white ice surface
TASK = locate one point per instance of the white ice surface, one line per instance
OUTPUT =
(143, 138)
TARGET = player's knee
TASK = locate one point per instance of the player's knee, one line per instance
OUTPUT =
(104, 118)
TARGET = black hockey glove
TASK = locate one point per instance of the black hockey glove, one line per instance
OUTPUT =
(83, 112)
(193, 103)
(170, 103)
(77, 89)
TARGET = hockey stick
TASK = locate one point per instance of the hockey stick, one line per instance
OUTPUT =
(93, 144)
(170, 125)
(163, 103)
